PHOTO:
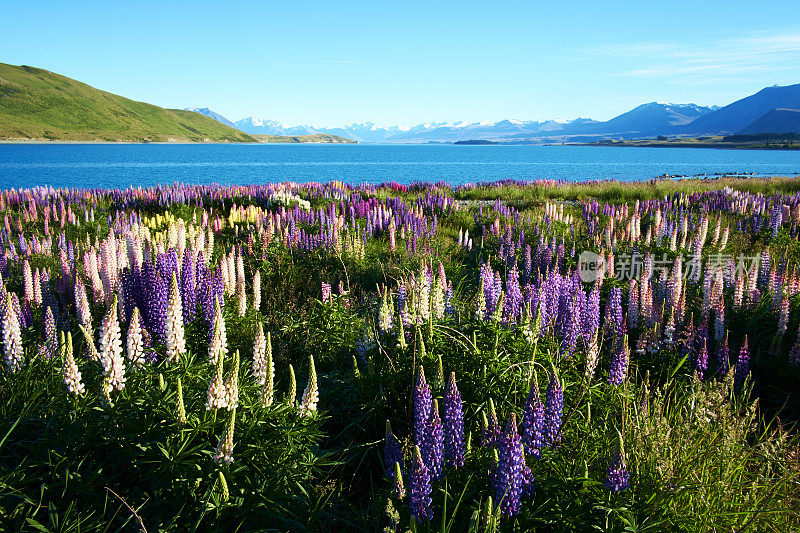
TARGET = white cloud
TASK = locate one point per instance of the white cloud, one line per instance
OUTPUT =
(713, 61)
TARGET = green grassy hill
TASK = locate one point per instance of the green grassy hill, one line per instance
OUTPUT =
(40, 105)
(317, 138)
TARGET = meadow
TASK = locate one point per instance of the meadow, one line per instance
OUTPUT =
(507, 356)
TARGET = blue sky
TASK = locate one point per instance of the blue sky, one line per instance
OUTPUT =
(331, 63)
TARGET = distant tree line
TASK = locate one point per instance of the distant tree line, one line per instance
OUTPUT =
(788, 136)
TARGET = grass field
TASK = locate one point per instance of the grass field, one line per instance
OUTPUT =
(402, 357)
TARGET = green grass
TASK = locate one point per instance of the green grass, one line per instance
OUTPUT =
(40, 105)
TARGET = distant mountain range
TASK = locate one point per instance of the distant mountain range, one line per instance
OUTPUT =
(645, 121)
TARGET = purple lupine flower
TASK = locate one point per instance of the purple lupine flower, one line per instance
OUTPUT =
(420, 488)
(422, 408)
(491, 430)
(392, 451)
(188, 288)
(448, 300)
(50, 334)
(619, 363)
(509, 475)
(453, 424)
(553, 410)
(532, 421)
(701, 365)
(617, 475)
(433, 445)
(742, 366)
(158, 308)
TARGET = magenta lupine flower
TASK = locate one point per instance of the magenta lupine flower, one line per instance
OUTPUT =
(742, 366)
(532, 421)
(392, 452)
(553, 410)
(420, 488)
(433, 448)
(509, 475)
(422, 408)
(617, 475)
(453, 424)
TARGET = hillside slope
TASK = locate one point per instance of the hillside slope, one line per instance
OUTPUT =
(736, 116)
(776, 121)
(41, 105)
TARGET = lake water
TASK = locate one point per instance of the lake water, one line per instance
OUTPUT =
(123, 165)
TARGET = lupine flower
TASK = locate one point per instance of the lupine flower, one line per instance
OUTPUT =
(181, 407)
(219, 338)
(188, 287)
(392, 451)
(135, 345)
(420, 487)
(257, 290)
(50, 334)
(533, 421)
(291, 394)
(110, 352)
(508, 478)
(308, 404)
(326, 292)
(701, 365)
(217, 397)
(398, 490)
(722, 356)
(82, 304)
(742, 366)
(617, 475)
(175, 341)
(453, 424)
(12, 337)
(433, 446)
(72, 375)
(553, 410)
(385, 318)
(422, 408)
(619, 363)
(224, 452)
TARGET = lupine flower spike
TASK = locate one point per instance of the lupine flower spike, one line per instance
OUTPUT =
(176, 343)
(453, 424)
(181, 407)
(420, 487)
(308, 405)
(72, 376)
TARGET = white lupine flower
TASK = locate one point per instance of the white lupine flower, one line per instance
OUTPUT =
(82, 304)
(12, 336)
(72, 375)
(176, 343)
(27, 278)
(308, 405)
(260, 356)
(219, 338)
(217, 397)
(135, 346)
(257, 290)
(111, 349)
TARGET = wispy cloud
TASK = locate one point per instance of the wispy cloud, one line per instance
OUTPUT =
(344, 62)
(715, 60)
